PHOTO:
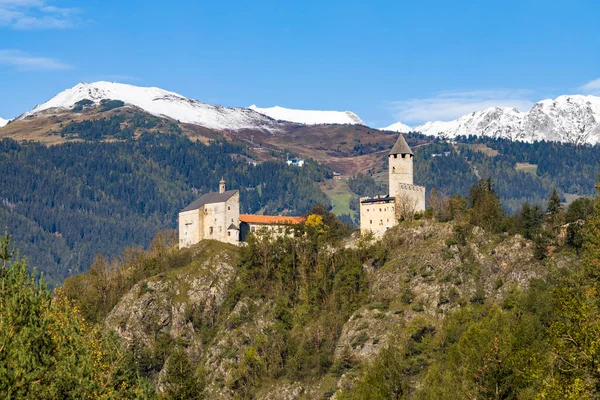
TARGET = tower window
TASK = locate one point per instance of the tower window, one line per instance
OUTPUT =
(393, 169)
(395, 155)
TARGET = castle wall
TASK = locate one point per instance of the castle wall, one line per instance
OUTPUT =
(275, 230)
(409, 198)
(377, 217)
(190, 228)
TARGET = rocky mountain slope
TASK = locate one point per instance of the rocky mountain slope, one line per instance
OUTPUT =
(569, 119)
(310, 117)
(228, 332)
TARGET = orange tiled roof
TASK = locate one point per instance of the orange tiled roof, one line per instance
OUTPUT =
(271, 219)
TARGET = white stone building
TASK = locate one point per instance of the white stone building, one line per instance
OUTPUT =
(217, 216)
(404, 198)
(212, 216)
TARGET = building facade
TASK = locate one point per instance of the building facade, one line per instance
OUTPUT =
(276, 225)
(217, 216)
(404, 198)
(212, 216)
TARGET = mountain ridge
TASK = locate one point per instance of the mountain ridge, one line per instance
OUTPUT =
(158, 102)
(309, 117)
(398, 127)
(164, 103)
(571, 119)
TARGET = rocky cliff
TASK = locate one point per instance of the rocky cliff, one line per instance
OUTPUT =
(422, 270)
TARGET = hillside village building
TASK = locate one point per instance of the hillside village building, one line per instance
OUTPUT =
(217, 216)
(379, 213)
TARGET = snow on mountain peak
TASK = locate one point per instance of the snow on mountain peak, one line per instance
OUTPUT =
(158, 102)
(309, 117)
(568, 118)
(398, 127)
(3, 122)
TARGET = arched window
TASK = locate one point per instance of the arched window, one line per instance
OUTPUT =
(393, 169)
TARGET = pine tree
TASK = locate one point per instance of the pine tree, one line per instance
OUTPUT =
(181, 380)
(554, 205)
(486, 209)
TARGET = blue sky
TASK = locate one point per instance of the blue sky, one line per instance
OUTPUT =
(387, 61)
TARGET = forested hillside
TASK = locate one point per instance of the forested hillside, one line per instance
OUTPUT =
(523, 172)
(463, 302)
(66, 203)
(120, 175)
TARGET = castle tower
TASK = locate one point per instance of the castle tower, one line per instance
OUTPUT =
(222, 186)
(400, 165)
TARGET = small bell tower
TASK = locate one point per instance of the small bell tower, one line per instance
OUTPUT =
(222, 186)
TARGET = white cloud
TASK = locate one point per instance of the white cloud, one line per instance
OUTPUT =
(25, 62)
(36, 14)
(592, 87)
(446, 106)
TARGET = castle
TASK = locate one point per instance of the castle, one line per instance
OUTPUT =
(379, 213)
(217, 216)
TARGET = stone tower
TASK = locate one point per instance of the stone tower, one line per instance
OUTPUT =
(222, 186)
(400, 166)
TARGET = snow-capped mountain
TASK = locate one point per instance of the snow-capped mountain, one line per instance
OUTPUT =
(398, 127)
(3, 122)
(158, 102)
(309, 117)
(569, 119)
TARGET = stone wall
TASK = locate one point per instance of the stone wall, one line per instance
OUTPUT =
(275, 230)
(377, 217)
(411, 193)
(190, 228)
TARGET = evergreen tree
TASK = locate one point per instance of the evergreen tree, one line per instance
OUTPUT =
(555, 216)
(181, 382)
(574, 331)
(47, 350)
(554, 204)
(486, 210)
